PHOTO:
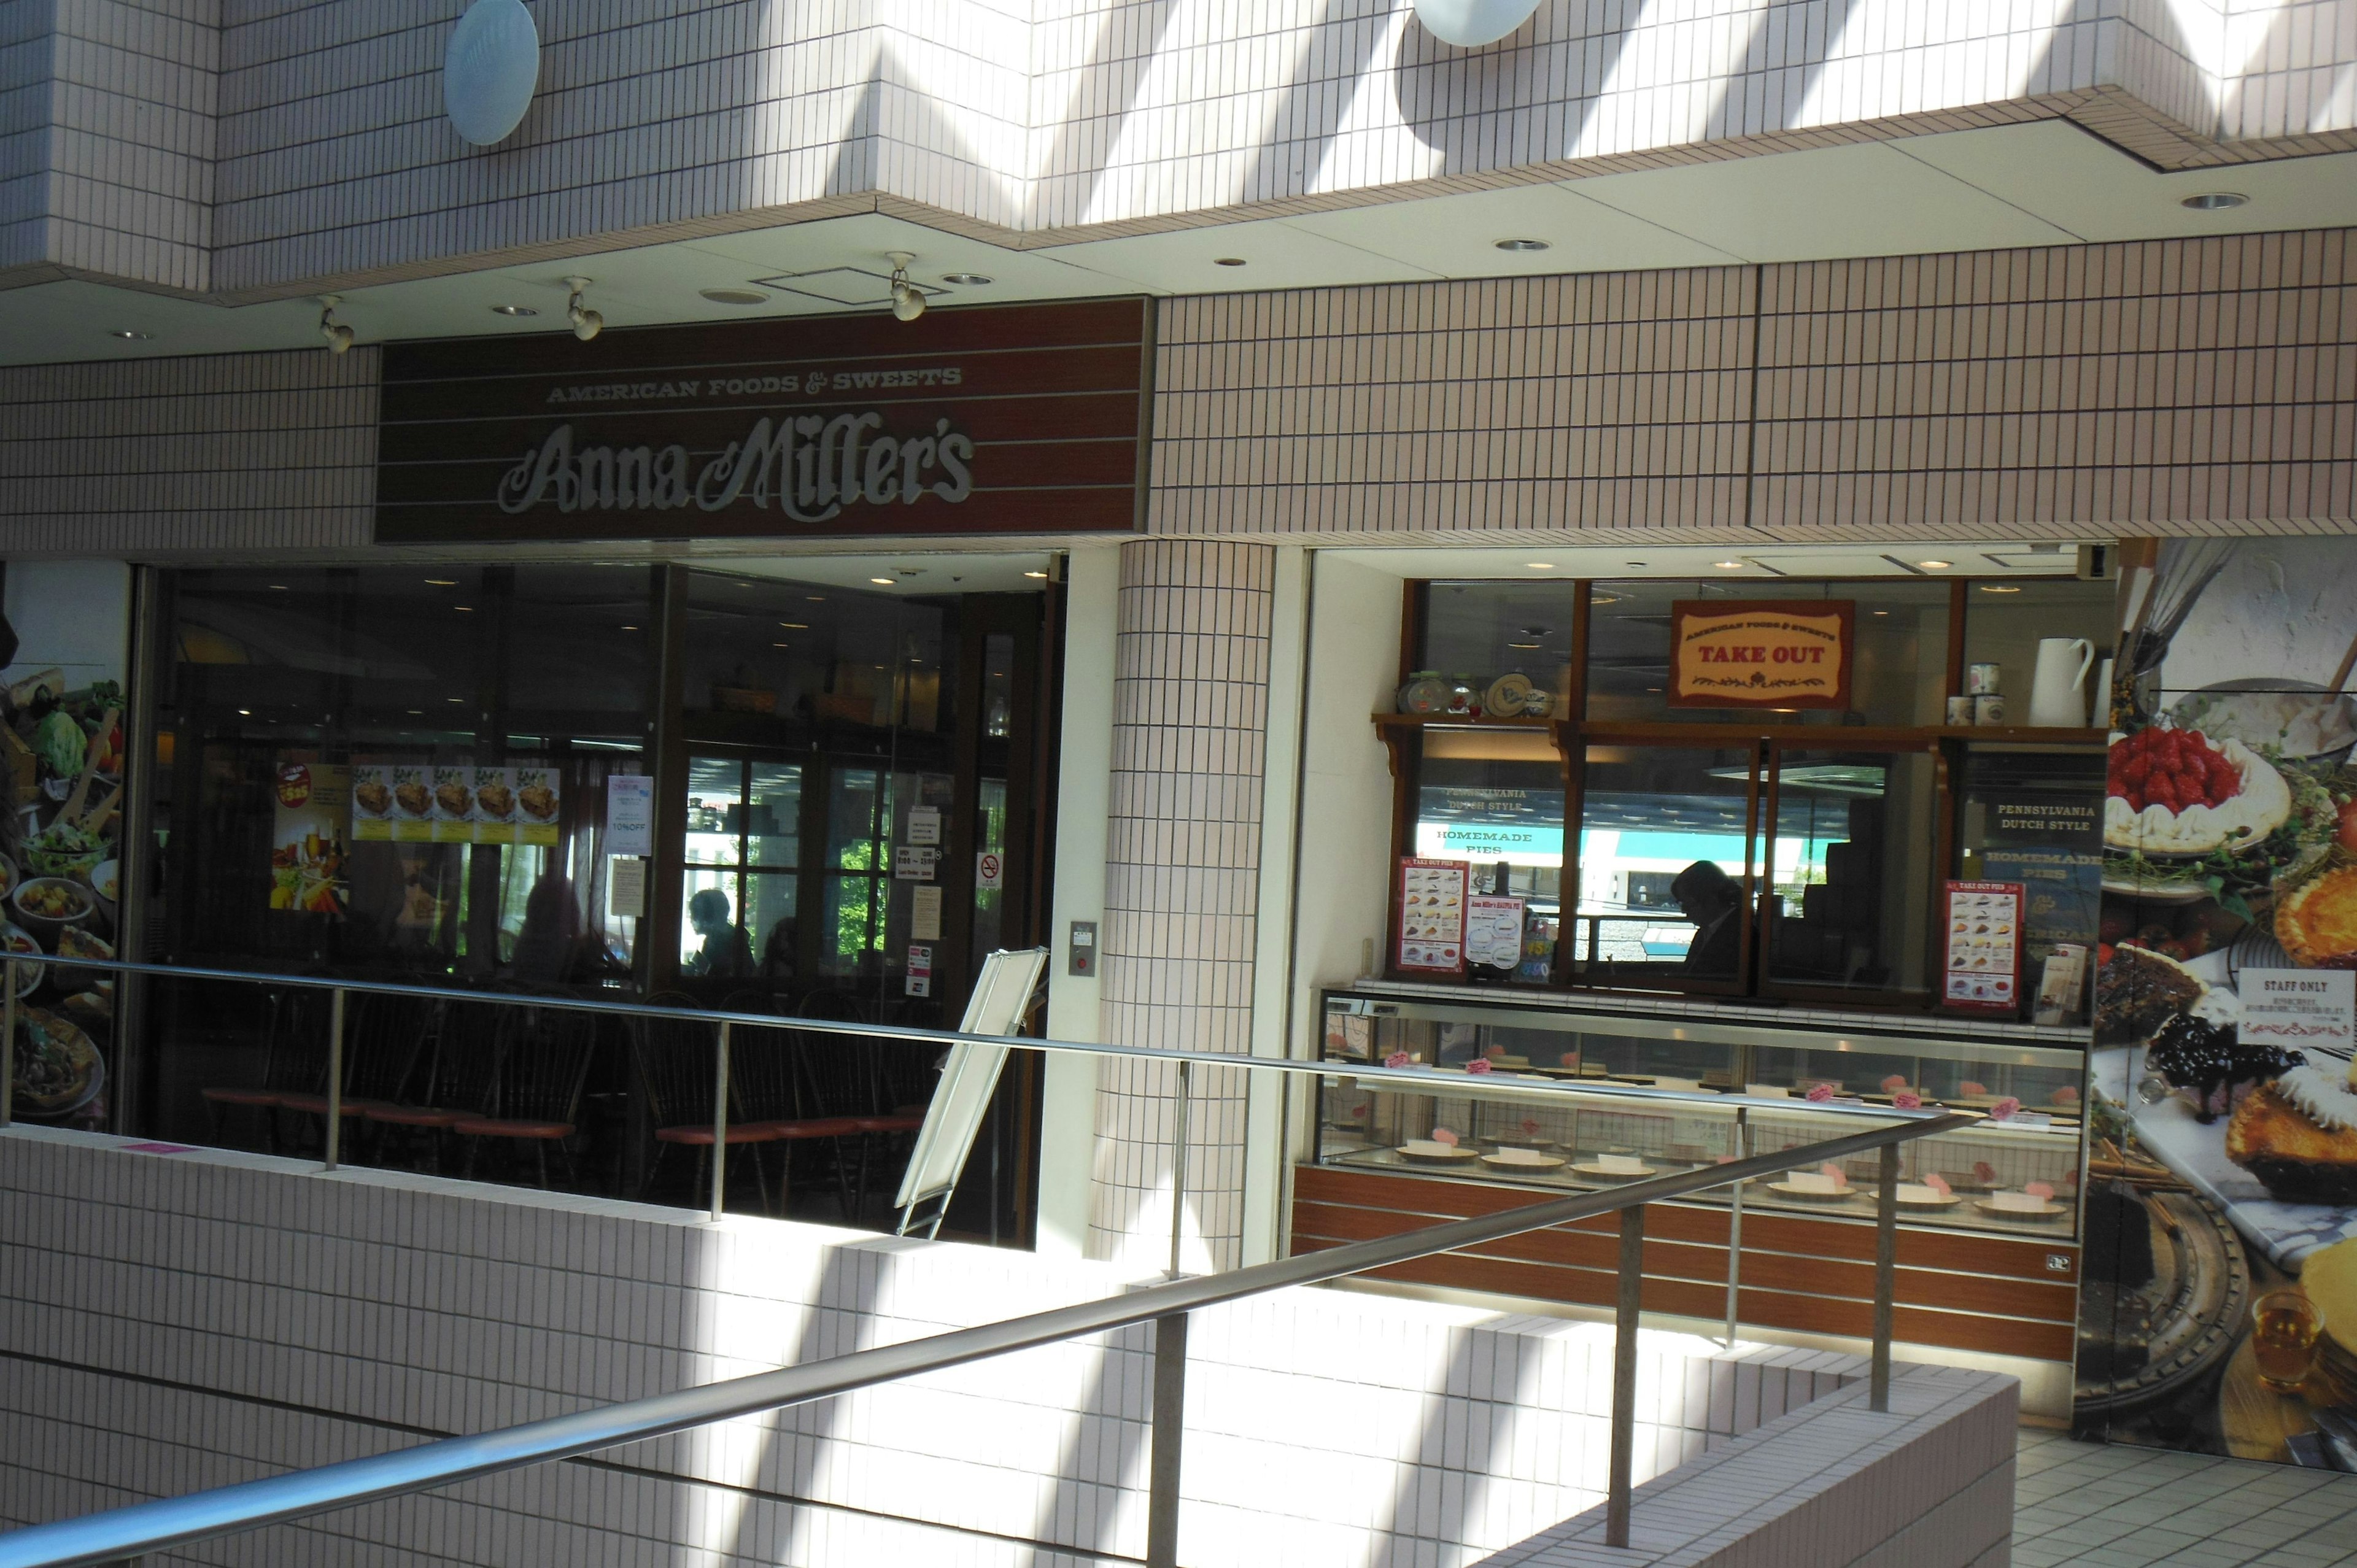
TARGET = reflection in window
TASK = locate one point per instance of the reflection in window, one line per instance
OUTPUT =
(1662, 880)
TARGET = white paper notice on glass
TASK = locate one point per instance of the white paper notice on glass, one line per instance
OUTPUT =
(1493, 932)
(626, 888)
(2300, 1008)
(629, 814)
(925, 913)
(912, 865)
(924, 824)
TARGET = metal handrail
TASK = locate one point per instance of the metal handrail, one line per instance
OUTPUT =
(118, 1535)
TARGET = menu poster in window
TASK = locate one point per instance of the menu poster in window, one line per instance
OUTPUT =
(1432, 915)
(412, 803)
(629, 814)
(495, 805)
(453, 801)
(1761, 653)
(1982, 971)
(1493, 932)
(312, 801)
(539, 792)
(373, 803)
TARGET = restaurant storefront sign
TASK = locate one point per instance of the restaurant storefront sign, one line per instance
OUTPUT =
(1019, 419)
(1761, 653)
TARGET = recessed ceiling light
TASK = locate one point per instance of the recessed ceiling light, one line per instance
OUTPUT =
(1882, 612)
(128, 335)
(467, 609)
(458, 699)
(735, 295)
(885, 582)
(1726, 565)
(1935, 566)
(966, 280)
(816, 598)
(630, 629)
(245, 713)
(1999, 589)
(1526, 646)
(781, 645)
(441, 581)
(277, 587)
(1635, 562)
(2214, 201)
(514, 310)
(795, 625)
(1042, 575)
(1540, 566)
(1522, 244)
(1228, 262)
(417, 713)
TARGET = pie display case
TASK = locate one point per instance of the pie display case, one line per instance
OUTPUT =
(1560, 1098)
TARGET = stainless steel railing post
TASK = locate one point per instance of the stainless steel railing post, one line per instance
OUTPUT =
(1179, 1172)
(720, 1124)
(1735, 1221)
(1885, 1261)
(335, 1143)
(8, 1044)
(1169, 1430)
(1624, 1374)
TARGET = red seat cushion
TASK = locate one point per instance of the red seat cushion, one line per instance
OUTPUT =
(815, 1127)
(500, 1127)
(416, 1115)
(316, 1104)
(242, 1096)
(697, 1136)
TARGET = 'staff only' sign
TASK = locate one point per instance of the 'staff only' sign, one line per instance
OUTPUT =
(1761, 653)
(1019, 419)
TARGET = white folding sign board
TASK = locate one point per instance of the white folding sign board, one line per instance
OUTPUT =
(969, 1077)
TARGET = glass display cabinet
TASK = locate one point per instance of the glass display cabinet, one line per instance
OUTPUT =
(1572, 1099)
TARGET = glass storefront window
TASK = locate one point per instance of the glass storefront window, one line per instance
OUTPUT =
(1852, 869)
(737, 912)
(1664, 875)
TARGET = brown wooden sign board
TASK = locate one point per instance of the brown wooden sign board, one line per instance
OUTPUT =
(987, 420)
(1761, 653)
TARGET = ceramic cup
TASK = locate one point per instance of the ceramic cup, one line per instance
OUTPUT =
(1988, 709)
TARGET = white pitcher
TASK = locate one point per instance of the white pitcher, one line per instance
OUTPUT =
(2058, 697)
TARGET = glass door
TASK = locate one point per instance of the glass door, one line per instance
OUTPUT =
(739, 924)
(1666, 865)
(1852, 840)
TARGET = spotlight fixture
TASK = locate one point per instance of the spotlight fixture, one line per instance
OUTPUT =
(2214, 201)
(1228, 261)
(1522, 245)
(586, 323)
(907, 299)
(735, 295)
(1935, 566)
(128, 335)
(966, 280)
(339, 336)
(514, 310)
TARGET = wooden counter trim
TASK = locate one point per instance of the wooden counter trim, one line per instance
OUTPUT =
(1808, 1275)
(1765, 1230)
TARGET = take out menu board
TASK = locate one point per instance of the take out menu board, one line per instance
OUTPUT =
(1982, 971)
(1432, 915)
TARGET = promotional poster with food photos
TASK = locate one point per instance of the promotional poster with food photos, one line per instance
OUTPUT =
(2218, 1311)
(62, 721)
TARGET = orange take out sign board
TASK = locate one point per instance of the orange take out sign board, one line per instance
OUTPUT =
(1761, 653)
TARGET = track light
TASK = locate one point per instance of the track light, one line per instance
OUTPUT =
(339, 336)
(586, 323)
(907, 299)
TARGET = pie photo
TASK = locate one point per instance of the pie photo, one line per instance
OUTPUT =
(2298, 1136)
(2177, 792)
(2316, 922)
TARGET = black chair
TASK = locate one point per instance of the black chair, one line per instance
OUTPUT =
(846, 1084)
(544, 1061)
(295, 1061)
(676, 1060)
(461, 1072)
(384, 1036)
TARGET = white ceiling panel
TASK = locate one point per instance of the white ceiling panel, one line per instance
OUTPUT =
(1457, 236)
(1277, 255)
(1864, 200)
(2097, 192)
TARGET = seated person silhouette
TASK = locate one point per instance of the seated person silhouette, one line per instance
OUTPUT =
(728, 951)
(1710, 898)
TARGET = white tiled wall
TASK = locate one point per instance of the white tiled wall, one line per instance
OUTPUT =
(1182, 870)
(174, 1321)
(260, 150)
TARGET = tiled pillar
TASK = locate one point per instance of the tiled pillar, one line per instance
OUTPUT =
(1191, 698)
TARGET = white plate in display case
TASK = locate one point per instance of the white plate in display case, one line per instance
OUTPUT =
(1813, 1194)
(2047, 1210)
(1523, 1160)
(1425, 1152)
(1616, 1173)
